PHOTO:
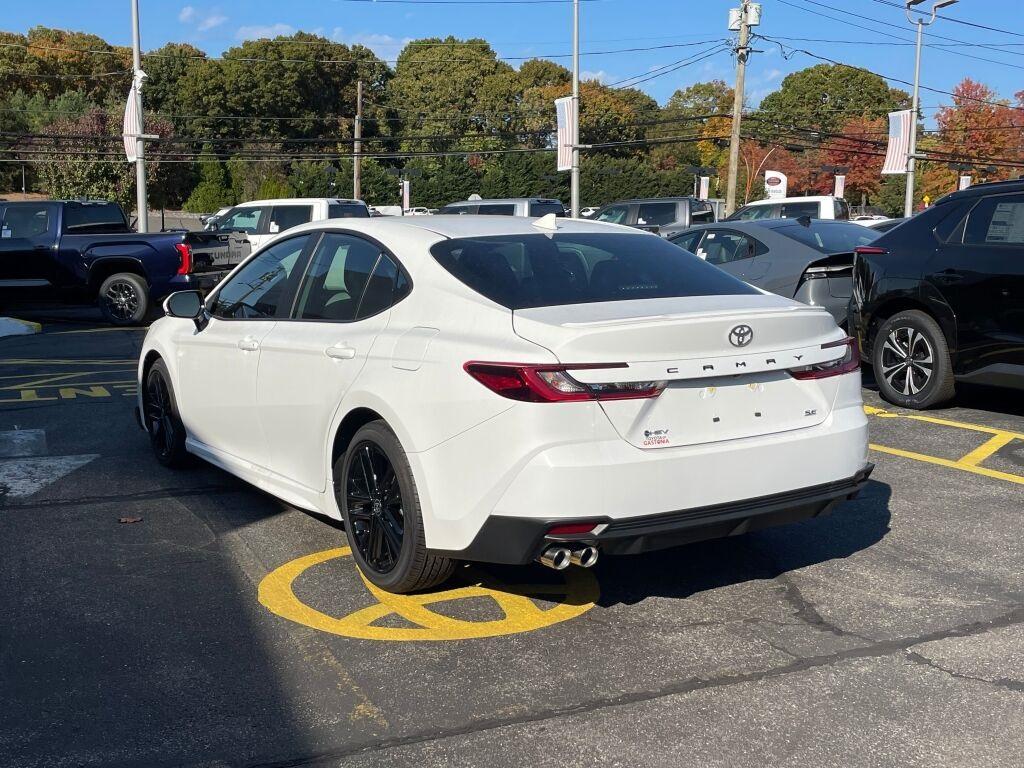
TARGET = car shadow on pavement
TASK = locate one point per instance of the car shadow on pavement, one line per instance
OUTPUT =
(685, 571)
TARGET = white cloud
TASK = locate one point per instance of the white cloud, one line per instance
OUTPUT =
(385, 46)
(202, 20)
(600, 75)
(267, 30)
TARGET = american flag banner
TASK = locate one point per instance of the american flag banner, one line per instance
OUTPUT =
(565, 109)
(900, 125)
(132, 125)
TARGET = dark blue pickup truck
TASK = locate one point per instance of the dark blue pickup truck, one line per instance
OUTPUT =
(85, 252)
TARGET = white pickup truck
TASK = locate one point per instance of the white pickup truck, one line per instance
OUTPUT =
(259, 220)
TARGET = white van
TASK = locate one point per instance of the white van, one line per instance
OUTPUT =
(260, 220)
(815, 207)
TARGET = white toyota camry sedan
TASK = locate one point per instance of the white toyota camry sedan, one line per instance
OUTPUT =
(506, 390)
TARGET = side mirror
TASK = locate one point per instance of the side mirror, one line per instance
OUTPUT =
(187, 305)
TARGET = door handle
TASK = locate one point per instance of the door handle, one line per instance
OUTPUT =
(950, 276)
(340, 352)
(248, 344)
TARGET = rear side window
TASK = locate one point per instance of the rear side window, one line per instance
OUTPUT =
(796, 210)
(656, 213)
(459, 210)
(347, 211)
(497, 209)
(615, 214)
(841, 210)
(996, 221)
(543, 208)
(336, 278)
(688, 240)
(81, 217)
(25, 221)
(288, 216)
(520, 271)
(725, 246)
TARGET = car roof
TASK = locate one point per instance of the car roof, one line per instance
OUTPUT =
(768, 224)
(805, 199)
(490, 200)
(987, 188)
(634, 200)
(297, 201)
(461, 226)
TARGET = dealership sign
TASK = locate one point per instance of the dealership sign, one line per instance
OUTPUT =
(775, 184)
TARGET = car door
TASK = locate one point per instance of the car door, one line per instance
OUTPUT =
(217, 367)
(728, 249)
(688, 241)
(980, 273)
(27, 236)
(309, 362)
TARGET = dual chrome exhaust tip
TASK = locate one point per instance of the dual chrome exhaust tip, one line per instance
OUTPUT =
(560, 557)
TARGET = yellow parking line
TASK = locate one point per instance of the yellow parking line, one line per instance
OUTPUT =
(884, 414)
(986, 449)
(993, 473)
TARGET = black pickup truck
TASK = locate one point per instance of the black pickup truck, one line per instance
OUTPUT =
(85, 251)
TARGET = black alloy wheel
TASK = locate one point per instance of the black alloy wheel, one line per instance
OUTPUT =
(374, 504)
(122, 300)
(166, 430)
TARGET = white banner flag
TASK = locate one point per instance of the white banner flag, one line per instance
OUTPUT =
(900, 125)
(840, 185)
(565, 110)
(131, 127)
(405, 195)
(776, 184)
(965, 181)
(705, 187)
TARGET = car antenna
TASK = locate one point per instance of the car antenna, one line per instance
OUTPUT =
(548, 221)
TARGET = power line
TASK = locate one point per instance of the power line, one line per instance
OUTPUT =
(957, 21)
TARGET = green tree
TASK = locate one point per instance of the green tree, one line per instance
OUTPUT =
(167, 68)
(213, 191)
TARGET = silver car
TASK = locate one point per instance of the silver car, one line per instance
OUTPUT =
(810, 260)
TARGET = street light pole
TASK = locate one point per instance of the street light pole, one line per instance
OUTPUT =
(574, 194)
(742, 53)
(908, 200)
(141, 201)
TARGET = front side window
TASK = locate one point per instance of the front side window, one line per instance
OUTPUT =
(688, 240)
(264, 286)
(656, 214)
(347, 211)
(755, 212)
(615, 214)
(723, 247)
(288, 216)
(25, 221)
(497, 209)
(796, 210)
(242, 219)
(520, 271)
(842, 210)
(337, 278)
(996, 221)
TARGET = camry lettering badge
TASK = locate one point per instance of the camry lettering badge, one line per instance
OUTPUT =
(741, 335)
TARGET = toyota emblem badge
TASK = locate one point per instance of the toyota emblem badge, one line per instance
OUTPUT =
(741, 335)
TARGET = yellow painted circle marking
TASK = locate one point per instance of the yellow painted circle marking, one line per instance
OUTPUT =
(578, 594)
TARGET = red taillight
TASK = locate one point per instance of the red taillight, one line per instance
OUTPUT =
(870, 250)
(848, 363)
(571, 529)
(185, 254)
(553, 384)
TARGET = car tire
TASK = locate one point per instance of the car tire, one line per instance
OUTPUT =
(380, 506)
(911, 362)
(124, 299)
(162, 419)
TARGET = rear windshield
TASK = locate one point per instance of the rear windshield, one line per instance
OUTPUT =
(829, 236)
(520, 271)
(347, 211)
(544, 207)
(93, 216)
(460, 210)
(754, 212)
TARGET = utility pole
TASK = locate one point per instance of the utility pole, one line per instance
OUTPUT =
(357, 149)
(908, 201)
(742, 52)
(574, 194)
(141, 201)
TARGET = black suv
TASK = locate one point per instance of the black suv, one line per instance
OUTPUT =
(665, 215)
(940, 298)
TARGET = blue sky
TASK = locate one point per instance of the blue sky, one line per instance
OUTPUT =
(544, 29)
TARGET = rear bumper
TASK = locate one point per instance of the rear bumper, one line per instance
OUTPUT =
(517, 540)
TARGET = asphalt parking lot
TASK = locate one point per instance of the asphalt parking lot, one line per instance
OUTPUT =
(155, 618)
